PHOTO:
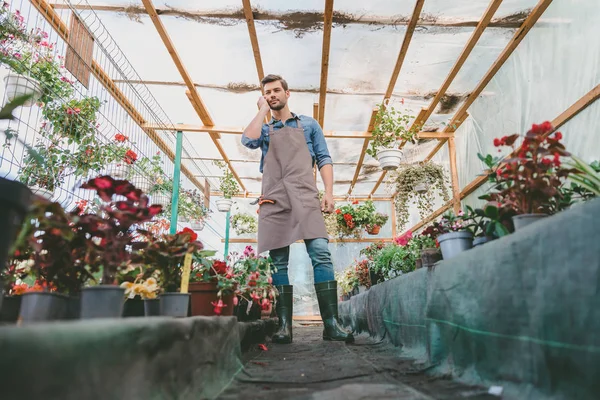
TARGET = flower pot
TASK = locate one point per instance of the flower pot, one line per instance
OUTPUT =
(373, 229)
(418, 263)
(389, 159)
(144, 184)
(204, 294)
(375, 277)
(134, 308)
(14, 204)
(224, 205)
(481, 240)
(103, 301)
(430, 256)
(19, 85)
(421, 188)
(197, 225)
(454, 243)
(151, 307)
(174, 304)
(43, 306)
(521, 221)
(45, 193)
(118, 170)
(161, 198)
(9, 311)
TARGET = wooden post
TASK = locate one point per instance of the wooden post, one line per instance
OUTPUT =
(454, 175)
(206, 193)
(393, 218)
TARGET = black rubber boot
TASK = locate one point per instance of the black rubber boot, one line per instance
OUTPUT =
(284, 310)
(328, 304)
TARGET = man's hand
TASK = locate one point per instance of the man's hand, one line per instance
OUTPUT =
(262, 103)
(327, 204)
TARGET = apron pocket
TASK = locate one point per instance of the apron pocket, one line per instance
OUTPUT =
(307, 193)
(282, 202)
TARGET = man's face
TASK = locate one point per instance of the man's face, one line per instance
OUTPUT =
(275, 95)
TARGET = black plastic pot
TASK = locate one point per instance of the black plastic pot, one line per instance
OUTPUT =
(74, 307)
(375, 277)
(134, 308)
(15, 199)
(174, 304)
(43, 306)
(152, 307)
(9, 312)
(103, 301)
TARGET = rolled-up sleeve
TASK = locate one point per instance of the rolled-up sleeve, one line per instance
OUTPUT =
(322, 156)
(252, 143)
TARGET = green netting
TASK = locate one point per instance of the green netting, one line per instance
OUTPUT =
(521, 312)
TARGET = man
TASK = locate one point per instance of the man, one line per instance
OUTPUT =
(289, 205)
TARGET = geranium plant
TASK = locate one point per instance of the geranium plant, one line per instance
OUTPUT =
(391, 126)
(377, 220)
(243, 223)
(406, 180)
(352, 218)
(253, 274)
(530, 180)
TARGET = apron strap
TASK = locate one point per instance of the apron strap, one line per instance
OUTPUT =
(299, 125)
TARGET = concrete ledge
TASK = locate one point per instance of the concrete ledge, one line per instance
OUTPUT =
(522, 312)
(133, 358)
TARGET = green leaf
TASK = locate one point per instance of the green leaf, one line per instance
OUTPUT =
(501, 230)
(7, 110)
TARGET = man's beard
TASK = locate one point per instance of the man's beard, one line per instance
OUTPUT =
(279, 106)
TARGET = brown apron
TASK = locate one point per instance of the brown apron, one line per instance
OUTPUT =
(288, 180)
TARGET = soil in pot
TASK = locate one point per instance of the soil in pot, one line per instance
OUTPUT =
(430, 256)
(174, 304)
(204, 294)
(523, 220)
(134, 307)
(43, 306)
(454, 243)
(152, 307)
(102, 301)
(9, 312)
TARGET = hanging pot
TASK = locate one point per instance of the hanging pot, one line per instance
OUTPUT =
(421, 188)
(19, 85)
(152, 307)
(224, 205)
(521, 221)
(204, 294)
(102, 301)
(197, 225)
(174, 304)
(454, 243)
(161, 198)
(373, 229)
(389, 159)
(40, 191)
(43, 306)
(118, 170)
(144, 184)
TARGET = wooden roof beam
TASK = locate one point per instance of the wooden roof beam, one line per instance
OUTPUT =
(53, 18)
(519, 35)
(361, 159)
(327, 25)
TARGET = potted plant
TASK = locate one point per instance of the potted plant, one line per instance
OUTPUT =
(375, 223)
(391, 127)
(74, 119)
(45, 169)
(212, 286)
(347, 281)
(407, 181)
(243, 223)
(529, 181)
(416, 245)
(487, 223)
(254, 282)
(117, 156)
(166, 254)
(430, 253)
(455, 237)
(191, 208)
(370, 252)
(141, 297)
(229, 187)
(112, 241)
(13, 278)
(352, 218)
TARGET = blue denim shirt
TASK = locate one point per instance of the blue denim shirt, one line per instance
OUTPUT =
(317, 146)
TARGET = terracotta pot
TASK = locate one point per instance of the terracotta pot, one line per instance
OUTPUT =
(373, 229)
(418, 263)
(203, 294)
(430, 256)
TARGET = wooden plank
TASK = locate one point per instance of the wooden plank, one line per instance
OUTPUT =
(383, 174)
(327, 24)
(160, 28)
(80, 51)
(61, 28)
(363, 151)
(517, 38)
(393, 218)
(349, 240)
(206, 193)
(404, 48)
(253, 39)
(443, 141)
(362, 197)
(454, 175)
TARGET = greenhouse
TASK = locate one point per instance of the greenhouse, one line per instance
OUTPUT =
(168, 234)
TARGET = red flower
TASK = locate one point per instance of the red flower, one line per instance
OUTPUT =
(219, 306)
(338, 211)
(120, 137)
(546, 161)
(130, 157)
(219, 267)
(556, 159)
(263, 347)
(188, 231)
(543, 128)
(155, 209)
(355, 202)
(88, 152)
(558, 136)
(497, 142)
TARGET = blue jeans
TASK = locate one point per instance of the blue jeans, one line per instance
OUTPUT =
(318, 251)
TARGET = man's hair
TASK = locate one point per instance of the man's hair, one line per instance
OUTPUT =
(274, 78)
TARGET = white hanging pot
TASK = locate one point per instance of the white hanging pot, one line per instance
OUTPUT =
(162, 199)
(45, 193)
(197, 225)
(421, 188)
(389, 159)
(19, 85)
(118, 170)
(224, 205)
(143, 183)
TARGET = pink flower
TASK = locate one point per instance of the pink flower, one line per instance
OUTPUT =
(270, 280)
(219, 306)
(235, 300)
(17, 56)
